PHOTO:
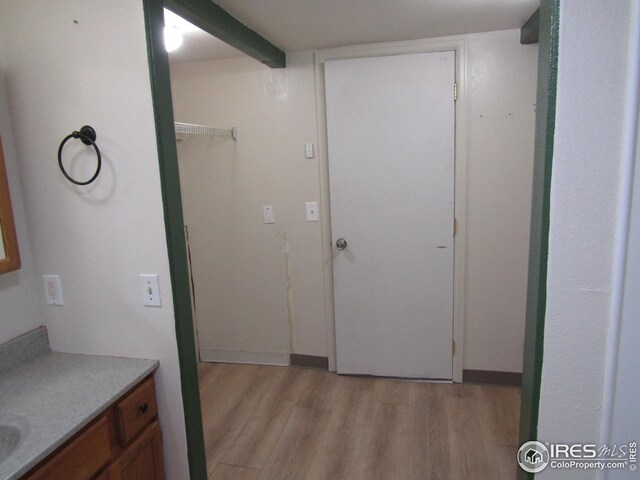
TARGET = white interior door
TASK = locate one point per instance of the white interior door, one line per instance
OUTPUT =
(390, 127)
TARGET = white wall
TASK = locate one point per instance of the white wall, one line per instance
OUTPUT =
(19, 307)
(502, 79)
(61, 75)
(621, 422)
(275, 111)
(592, 102)
(625, 421)
(239, 267)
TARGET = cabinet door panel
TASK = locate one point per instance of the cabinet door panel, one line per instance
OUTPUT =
(82, 458)
(142, 460)
(104, 476)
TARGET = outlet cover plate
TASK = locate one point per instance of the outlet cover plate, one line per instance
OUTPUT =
(53, 289)
(312, 211)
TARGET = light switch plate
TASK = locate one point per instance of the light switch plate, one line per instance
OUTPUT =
(150, 290)
(53, 289)
(312, 211)
(267, 211)
(308, 150)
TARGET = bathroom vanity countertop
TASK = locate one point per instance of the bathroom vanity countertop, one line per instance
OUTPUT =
(52, 397)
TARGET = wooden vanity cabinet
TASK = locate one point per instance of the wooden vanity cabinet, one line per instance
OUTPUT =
(124, 443)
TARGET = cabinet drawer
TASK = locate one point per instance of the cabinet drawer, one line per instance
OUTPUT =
(82, 458)
(136, 410)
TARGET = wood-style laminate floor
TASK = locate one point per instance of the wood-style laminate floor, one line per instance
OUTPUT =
(277, 423)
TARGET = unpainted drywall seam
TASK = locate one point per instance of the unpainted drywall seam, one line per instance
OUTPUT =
(284, 249)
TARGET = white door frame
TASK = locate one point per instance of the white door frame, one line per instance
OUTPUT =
(457, 44)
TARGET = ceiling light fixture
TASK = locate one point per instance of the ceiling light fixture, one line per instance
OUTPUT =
(172, 38)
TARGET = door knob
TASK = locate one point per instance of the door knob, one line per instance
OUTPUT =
(341, 244)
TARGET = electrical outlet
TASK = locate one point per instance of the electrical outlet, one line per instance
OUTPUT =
(53, 290)
(150, 290)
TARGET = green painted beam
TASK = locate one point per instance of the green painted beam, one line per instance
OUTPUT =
(540, 211)
(215, 20)
(174, 227)
(529, 31)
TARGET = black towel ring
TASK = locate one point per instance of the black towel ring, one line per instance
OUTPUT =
(87, 135)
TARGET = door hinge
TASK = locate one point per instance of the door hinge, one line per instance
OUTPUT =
(455, 226)
(455, 92)
(453, 348)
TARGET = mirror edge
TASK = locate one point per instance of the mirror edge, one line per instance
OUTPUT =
(12, 260)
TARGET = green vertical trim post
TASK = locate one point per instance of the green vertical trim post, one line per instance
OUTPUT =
(540, 210)
(213, 19)
(174, 225)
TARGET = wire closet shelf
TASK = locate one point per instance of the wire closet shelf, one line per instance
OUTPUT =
(193, 129)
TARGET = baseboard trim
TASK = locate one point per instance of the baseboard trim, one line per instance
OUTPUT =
(492, 377)
(311, 361)
(243, 356)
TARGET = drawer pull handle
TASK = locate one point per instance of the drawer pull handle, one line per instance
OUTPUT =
(144, 407)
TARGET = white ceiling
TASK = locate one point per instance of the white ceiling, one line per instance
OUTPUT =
(311, 24)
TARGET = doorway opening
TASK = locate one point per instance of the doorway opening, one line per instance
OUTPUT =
(180, 274)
